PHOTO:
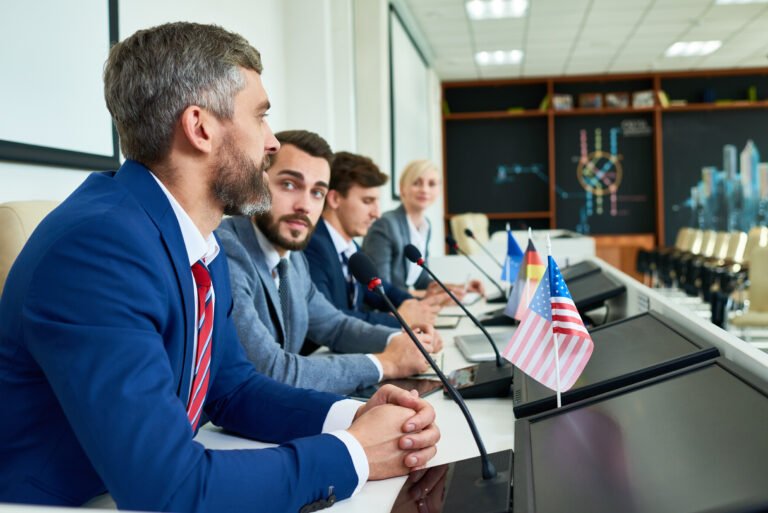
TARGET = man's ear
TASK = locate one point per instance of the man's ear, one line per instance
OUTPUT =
(199, 127)
(332, 199)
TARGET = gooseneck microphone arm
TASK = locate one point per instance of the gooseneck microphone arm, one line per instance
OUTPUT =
(469, 233)
(454, 245)
(413, 254)
(363, 270)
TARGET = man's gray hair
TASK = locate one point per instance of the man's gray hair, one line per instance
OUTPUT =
(153, 75)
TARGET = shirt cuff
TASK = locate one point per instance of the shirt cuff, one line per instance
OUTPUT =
(356, 452)
(340, 415)
(377, 363)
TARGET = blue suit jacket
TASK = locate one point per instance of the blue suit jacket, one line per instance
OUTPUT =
(272, 342)
(96, 327)
(328, 276)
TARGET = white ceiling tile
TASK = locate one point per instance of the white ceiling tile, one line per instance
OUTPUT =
(627, 35)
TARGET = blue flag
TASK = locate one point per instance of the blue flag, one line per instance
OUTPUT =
(513, 260)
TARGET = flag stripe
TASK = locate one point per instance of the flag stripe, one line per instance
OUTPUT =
(548, 319)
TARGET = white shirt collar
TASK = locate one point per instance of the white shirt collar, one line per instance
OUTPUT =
(271, 256)
(342, 246)
(197, 246)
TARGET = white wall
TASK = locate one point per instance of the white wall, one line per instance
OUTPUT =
(326, 69)
(371, 40)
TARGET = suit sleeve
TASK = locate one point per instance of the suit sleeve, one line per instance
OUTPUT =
(331, 373)
(378, 245)
(340, 332)
(97, 331)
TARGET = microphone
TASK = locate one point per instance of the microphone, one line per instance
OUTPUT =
(486, 379)
(454, 245)
(469, 233)
(493, 490)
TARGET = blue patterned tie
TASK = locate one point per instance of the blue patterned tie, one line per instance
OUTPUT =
(282, 273)
(351, 286)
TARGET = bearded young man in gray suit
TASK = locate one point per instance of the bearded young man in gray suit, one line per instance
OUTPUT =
(276, 305)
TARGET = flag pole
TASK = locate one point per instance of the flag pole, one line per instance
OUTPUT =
(552, 333)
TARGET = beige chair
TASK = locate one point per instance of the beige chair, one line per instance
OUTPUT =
(18, 219)
(757, 315)
(478, 223)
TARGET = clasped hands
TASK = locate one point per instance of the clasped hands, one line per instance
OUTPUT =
(397, 431)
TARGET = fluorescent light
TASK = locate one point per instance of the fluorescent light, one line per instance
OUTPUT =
(732, 2)
(692, 48)
(499, 57)
(492, 9)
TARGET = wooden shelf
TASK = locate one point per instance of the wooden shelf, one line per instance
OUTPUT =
(546, 214)
(498, 114)
(736, 105)
(603, 111)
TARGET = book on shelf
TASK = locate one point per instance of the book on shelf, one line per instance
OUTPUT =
(663, 99)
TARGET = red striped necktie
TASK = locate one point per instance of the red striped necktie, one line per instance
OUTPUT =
(204, 340)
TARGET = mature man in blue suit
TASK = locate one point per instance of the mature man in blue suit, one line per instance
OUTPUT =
(351, 207)
(276, 305)
(115, 320)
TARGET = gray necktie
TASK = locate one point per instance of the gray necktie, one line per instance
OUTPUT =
(283, 289)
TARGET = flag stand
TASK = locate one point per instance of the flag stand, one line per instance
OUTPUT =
(554, 338)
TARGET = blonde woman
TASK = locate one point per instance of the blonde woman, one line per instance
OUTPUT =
(407, 224)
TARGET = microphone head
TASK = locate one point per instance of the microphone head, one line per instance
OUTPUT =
(413, 254)
(451, 242)
(363, 270)
(469, 233)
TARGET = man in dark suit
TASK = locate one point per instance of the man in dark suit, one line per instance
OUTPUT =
(115, 321)
(351, 206)
(276, 305)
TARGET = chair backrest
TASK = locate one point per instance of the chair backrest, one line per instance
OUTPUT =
(695, 241)
(721, 245)
(758, 279)
(708, 243)
(683, 237)
(736, 247)
(757, 237)
(478, 223)
(18, 219)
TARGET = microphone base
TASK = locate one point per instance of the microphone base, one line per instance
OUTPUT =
(497, 318)
(462, 486)
(482, 380)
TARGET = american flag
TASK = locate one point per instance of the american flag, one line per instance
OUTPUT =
(532, 347)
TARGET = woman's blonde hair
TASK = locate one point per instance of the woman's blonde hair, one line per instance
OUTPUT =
(415, 170)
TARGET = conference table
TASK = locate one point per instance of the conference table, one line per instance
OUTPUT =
(494, 417)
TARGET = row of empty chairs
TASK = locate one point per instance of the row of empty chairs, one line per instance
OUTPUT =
(723, 275)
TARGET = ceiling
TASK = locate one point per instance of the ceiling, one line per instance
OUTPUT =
(567, 37)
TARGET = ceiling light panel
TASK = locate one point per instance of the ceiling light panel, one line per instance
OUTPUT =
(492, 9)
(692, 48)
(499, 58)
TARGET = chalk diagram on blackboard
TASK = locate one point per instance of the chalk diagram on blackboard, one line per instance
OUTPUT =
(599, 172)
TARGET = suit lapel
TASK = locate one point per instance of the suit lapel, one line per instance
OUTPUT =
(137, 179)
(244, 230)
(405, 236)
(339, 281)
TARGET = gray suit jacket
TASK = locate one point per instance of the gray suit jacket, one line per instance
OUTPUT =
(260, 326)
(384, 245)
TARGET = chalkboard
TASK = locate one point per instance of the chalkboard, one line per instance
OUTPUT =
(693, 140)
(604, 173)
(497, 165)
